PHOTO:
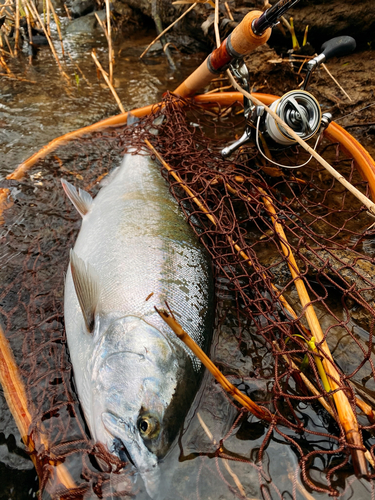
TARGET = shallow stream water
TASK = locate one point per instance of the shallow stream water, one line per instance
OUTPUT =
(32, 114)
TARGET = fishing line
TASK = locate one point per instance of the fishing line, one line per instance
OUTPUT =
(275, 162)
(354, 112)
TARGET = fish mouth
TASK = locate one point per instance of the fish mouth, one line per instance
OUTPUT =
(127, 442)
(119, 449)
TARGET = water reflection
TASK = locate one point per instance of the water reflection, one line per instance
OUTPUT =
(32, 114)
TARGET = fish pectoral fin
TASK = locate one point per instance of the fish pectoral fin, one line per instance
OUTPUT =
(81, 199)
(86, 284)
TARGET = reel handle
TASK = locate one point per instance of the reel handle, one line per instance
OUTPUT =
(339, 46)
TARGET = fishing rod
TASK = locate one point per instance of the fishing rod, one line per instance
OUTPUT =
(271, 16)
(254, 30)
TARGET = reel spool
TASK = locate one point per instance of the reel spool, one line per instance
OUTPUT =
(300, 110)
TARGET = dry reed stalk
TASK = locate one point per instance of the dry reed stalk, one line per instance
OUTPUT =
(48, 17)
(361, 197)
(3, 51)
(367, 410)
(102, 25)
(6, 67)
(361, 404)
(27, 8)
(28, 14)
(111, 88)
(8, 44)
(286, 306)
(111, 54)
(306, 381)
(7, 3)
(109, 41)
(57, 22)
(244, 400)
(19, 78)
(79, 69)
(218, 89)
(346, 415)
(216, 24)
(167, 29)
(67, 12)
(36, 14)
(228, 11)
(165, 48)
(224, 460)
(15, 395)
(336, 82)
(370, 459)
(17, 28)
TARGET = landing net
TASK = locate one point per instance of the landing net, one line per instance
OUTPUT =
(258, 344)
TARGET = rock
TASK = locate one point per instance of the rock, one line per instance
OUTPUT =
(85, 24)
(82, 7)
(122, 9)
(189, 26)
(187, 44)
(102, 14)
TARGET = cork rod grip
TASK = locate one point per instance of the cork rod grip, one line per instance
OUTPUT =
(201, 77)
(243, 39)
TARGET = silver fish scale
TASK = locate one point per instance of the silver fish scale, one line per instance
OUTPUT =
(138, 241)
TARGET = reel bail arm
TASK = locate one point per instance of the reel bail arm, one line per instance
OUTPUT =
(241, 72)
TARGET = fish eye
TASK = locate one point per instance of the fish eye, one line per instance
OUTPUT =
(148, 426)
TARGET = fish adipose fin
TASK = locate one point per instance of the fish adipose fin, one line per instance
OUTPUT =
(86, 284)
(80, 198)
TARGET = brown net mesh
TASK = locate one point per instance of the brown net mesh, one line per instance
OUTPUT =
(255, 339)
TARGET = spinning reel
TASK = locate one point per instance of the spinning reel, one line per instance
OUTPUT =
(297, 108)
(300, 111)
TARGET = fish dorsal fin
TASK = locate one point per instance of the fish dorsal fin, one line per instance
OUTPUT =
(86, 284)
(132, 119)
(81, 199)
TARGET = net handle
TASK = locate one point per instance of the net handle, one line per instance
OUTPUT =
(334, 133)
